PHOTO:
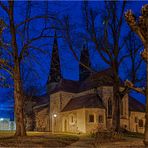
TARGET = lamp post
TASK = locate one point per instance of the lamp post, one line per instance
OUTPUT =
(140, 27)
(54, 122)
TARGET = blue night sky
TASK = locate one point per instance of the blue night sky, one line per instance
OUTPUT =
(69, 66)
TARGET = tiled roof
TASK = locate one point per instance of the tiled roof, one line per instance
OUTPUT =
(97, 79)
(86, 101)
(66, 85)
(40, 100)
(102, 78)
(135, 105)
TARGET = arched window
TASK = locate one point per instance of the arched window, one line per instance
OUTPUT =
(109, 107)
(141, 123)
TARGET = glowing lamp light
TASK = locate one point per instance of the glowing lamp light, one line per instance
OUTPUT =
(1, 119)
(54, 115)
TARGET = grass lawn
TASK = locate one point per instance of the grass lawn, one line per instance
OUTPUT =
(36, 139)
(125, 140)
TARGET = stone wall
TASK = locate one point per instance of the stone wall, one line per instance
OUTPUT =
(77, 121)
(134, 122)
(96, 125)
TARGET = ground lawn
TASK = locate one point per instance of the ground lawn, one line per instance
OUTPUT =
(124, 140)
(37, 139)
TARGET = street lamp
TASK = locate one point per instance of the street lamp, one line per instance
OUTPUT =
(54, 122)
(54, 115)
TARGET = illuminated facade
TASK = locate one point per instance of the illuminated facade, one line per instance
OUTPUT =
(86, 105)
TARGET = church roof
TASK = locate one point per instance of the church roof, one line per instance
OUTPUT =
(135, 105)
(86, 101)
(103, 78)
(41, 101)
(67, 86)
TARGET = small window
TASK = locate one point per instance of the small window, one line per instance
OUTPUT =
(140, 123)
(136, 120)
(100, 119)
(91, 118)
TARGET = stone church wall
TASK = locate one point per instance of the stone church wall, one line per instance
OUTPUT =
(96, 125)
(77, 121)
(134, 122)
(57, 102)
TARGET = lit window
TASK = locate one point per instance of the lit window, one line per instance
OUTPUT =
(91, 118)
(100, 119)
(140, 123)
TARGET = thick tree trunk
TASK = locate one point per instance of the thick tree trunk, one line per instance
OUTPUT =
(116, 103)
(18, 96)
(116, 109)
(18, 93)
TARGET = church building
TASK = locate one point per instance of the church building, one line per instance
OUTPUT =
(83, 106)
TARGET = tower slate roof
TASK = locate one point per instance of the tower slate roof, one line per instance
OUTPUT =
(55, 70)
(84, 58)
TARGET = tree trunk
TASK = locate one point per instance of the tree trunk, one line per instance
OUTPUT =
(18, 93)
(146, 115)
(18, 96)
(116, 103)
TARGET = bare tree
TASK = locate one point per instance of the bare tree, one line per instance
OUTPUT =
(19, 50)
(109, 44)
(140, 27)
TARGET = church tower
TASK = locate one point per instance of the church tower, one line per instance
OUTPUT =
(55, 71)
(84, 58)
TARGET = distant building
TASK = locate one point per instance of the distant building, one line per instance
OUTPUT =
(83, 106)
(7, 120)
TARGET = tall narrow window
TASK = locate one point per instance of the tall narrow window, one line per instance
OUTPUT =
(141, 123)
(109, 107)
(122, 107)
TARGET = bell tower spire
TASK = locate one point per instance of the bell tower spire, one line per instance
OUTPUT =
(84, 58)
(55, 71)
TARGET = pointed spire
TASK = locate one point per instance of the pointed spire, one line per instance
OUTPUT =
(55, 71)
(84, 58)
